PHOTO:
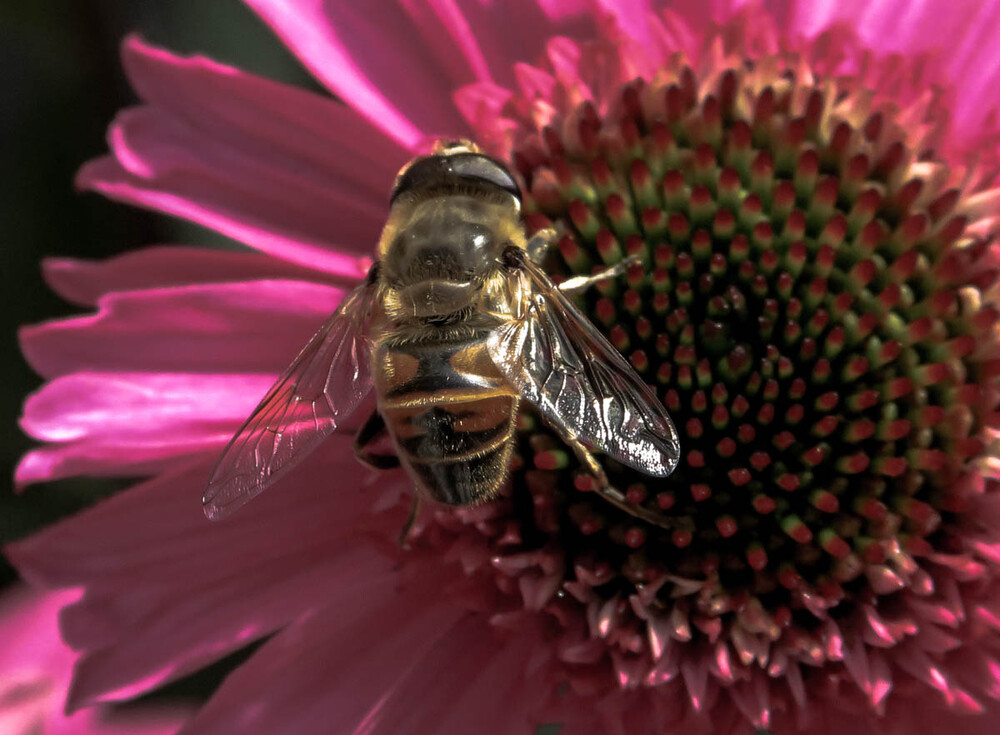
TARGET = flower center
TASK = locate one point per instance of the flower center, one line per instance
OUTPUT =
(810, 311)
(815, 309)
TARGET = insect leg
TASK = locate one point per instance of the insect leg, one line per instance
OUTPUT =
(612, 494)
(578, 284)
(414, 507)
(373, 429)
(542, 240)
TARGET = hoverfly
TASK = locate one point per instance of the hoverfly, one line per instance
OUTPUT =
(454, 325)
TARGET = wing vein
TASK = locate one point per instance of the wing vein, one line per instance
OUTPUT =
(322, 386)
(562, 364)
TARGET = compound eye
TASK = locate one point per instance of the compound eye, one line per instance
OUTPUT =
(450, 168)
(483, 168)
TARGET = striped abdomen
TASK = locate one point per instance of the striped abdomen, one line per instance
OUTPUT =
(451, 415)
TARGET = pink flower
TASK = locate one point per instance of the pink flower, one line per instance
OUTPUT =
(812, 186)
(35, 670)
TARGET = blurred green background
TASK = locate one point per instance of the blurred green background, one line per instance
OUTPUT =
(60, 85)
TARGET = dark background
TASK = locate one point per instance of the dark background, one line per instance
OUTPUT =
(60, 85)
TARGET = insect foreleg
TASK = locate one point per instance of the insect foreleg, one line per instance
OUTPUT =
(612, 494)
(539, 245)
(373, 429)
(578, 284)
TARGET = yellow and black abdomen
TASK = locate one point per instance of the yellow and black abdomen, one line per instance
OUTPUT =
(451, 415)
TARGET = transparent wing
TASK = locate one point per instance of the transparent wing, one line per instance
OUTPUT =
(324, 384)
(560, 362)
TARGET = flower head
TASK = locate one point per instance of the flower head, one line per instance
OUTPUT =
(816, 307)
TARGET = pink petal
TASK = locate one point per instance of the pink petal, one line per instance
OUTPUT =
(906, 715)
(122, 423)
(168, 592)
(457, 663)
(28, 630)
(479, 677)
(34, 664)
(398, 69)
(639, 24)
(249, 327)
(923, 716)
(282, 170)
(144, 720)
(203, 625)
(631, 17)
(139, 407)
(636, 28)
(492, 37)
(889, 26)
(93, 459)
(481, 104)
(331, 671)
(300, 230)
(827, 719)
(372, 60)
(279, 121)
(158, 266)
(139, 531)
(35, 668)
(958, 34)
(699, 13)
